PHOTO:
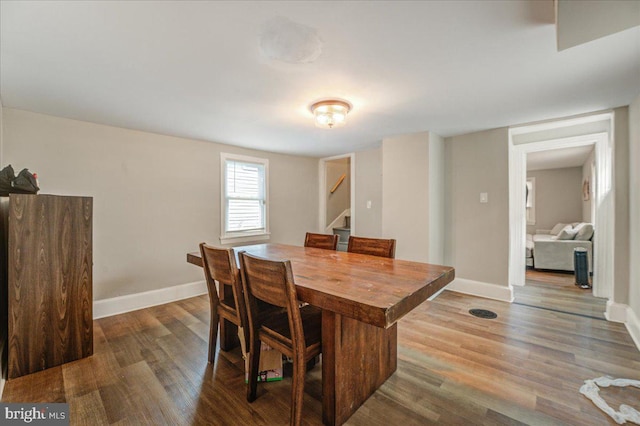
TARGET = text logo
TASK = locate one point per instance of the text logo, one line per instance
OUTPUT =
(34, 414)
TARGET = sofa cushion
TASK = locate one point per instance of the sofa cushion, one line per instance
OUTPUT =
(556, 229)
(584, 231)
(567, 233)
(544, 237)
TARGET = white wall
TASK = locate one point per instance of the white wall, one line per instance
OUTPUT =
(599, 125)
(588, 206)
(558, 197)
(368, 181)
(477, 234)
(155, 197)
(633, 322)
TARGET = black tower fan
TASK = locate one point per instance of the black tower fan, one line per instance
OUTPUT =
(581, 267)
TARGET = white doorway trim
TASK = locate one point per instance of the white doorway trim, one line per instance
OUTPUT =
(322, 169)
(603, 267)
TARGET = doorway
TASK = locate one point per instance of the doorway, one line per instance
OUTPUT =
(337, 196)
(530, 139)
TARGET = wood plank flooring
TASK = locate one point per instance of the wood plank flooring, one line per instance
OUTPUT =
(525, 367)
(557, 291)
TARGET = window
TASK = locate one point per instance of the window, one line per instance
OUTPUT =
(245, 206)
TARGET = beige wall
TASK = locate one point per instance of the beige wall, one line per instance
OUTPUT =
(558, 197)
(368, 181)
(155, 197)
(477, 235)
(405, 194)
(634, 201)
(621, 178)
(340, 200)
(436, 199)
(405, 204)
(579, 22)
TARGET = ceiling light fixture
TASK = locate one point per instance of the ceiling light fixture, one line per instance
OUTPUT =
(330, 113)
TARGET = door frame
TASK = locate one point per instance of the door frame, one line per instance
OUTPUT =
(603, 263)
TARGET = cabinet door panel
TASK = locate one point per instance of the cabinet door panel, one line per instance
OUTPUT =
(50, 281)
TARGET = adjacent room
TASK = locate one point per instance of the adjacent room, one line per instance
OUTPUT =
(307, 213)
(560, 197)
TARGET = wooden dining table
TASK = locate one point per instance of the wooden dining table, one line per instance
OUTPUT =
(362, 298)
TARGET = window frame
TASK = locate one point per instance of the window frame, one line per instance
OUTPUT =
(228, 237)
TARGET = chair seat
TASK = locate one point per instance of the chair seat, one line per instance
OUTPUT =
(276, 332)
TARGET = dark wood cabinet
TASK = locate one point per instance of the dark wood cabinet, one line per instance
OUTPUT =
(46, 273)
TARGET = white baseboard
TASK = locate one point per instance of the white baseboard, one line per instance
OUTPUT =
(133, 302)
(481, 289)
(616, 312)
(633, 325)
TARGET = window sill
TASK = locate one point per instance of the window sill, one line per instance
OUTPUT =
(244, 237)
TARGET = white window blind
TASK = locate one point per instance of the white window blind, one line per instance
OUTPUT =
(245, 196)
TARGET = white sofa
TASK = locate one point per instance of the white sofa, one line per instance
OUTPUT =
(553, 249)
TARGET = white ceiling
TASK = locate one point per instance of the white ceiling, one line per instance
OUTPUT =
(558, 158)
(195, 69)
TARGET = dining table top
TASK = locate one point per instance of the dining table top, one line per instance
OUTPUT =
(375, 290)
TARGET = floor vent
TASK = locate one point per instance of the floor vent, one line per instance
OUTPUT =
(483, 313)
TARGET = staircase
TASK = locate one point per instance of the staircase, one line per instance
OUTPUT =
(344, 232)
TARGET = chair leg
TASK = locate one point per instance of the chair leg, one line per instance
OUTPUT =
(254, 364)
(213, 333)
(297, 390)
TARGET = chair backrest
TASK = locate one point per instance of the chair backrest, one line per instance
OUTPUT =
(372, 246)
(323, 241)
(272, 282)
(219, 264)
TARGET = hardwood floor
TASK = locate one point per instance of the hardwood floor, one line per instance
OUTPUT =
(525, 367)
(557, 291)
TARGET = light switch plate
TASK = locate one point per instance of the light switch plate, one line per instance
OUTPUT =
(484, 197)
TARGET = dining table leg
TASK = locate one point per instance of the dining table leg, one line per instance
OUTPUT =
(357, 358)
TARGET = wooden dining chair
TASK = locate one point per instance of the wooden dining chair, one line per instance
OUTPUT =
(219, 264)
(323, 241)
(296, 332)
(372, 246)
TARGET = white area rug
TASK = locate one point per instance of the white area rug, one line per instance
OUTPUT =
(591, 390)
